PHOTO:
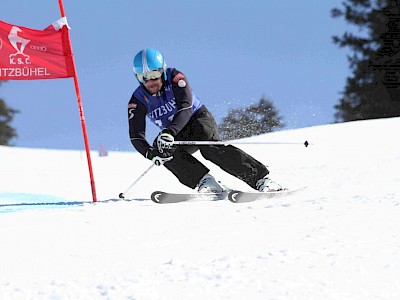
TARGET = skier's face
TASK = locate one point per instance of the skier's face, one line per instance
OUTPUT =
(153, 85)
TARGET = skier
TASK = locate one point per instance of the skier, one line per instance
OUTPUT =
(166, 98)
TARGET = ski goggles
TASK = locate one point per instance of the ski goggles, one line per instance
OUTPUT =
(151, 75)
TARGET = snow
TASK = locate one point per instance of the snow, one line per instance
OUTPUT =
(338, 239)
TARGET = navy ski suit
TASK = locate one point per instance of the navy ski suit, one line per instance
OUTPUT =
(177, 109)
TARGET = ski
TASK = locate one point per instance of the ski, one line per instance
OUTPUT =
(160, 197)
(243, 197)
(165, 197)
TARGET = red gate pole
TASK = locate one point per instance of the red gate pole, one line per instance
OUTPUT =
(82, 116)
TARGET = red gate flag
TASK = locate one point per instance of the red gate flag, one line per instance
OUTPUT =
(29, 54)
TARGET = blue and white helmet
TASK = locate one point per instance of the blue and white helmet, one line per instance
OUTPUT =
(149, 60)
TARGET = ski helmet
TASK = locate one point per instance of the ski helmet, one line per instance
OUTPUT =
(149, 60)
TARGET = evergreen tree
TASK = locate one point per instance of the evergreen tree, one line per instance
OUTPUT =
(373, 90)
(253, 120)
(6, 116)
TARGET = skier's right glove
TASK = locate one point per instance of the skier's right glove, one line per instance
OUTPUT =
(158, 158)
(164, 141)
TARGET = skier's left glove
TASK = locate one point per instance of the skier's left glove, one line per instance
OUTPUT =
(158, 158)
(164, 141)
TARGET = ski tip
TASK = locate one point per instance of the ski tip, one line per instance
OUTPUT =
(155, 196)
(232, 196)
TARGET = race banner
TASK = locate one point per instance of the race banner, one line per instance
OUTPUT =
(29, 54)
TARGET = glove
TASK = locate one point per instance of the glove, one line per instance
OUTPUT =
(164, 141)
(158, 158)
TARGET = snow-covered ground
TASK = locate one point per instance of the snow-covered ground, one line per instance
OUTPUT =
(338, 239)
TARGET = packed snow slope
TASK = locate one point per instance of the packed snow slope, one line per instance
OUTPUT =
(338, 239)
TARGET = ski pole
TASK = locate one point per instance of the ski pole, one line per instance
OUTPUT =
(195, 143)
(122, 195)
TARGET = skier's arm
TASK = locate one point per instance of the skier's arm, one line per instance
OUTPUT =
(184, 101)
(137, 125)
